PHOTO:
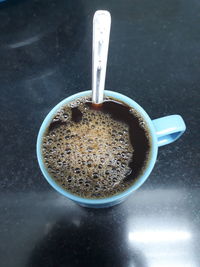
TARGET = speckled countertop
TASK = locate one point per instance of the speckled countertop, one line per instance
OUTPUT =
(154, 58)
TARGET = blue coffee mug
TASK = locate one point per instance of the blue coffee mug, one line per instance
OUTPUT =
(162, 131)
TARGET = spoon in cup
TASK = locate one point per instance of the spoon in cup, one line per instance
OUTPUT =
(101, 34)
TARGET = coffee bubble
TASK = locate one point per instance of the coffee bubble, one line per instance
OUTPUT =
(92, 151)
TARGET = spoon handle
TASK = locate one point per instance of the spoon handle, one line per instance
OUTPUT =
(101, 34)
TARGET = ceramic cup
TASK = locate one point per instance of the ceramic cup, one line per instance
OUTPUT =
(162, 131)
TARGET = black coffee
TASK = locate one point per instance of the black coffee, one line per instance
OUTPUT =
(96, 152)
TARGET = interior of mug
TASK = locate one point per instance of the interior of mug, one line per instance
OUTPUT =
(140, 180)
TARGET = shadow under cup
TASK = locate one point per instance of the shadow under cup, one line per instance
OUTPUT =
(116, 199)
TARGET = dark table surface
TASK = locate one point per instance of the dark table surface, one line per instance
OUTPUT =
(154, 58)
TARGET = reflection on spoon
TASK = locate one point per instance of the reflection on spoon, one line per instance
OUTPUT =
(101, 34)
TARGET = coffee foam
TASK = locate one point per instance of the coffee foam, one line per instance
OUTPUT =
(90, 157)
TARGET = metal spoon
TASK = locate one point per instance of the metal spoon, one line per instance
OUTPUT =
(101, 34)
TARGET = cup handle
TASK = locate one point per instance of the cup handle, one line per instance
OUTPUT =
(169, 128)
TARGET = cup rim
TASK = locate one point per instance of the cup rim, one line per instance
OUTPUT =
(143, 177)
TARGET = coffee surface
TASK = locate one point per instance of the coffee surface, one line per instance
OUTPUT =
(96, 152)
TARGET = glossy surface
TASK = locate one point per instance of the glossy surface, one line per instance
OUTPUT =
(45, 53)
